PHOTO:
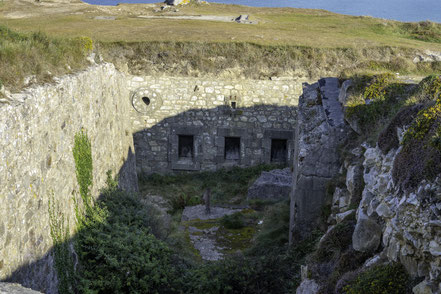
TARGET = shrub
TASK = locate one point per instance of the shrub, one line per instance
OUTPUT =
(234, 221)
(181, 201)
(383, 279)
(374, 100)
(431, 87)
(424, 30)
(275, 228)
(86, 43)
(271, 273)
(118, 252)
(388, 138)
(420, 157)
(376, 90)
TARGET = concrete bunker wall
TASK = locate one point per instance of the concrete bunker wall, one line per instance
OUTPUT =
(36, 140)
(195, 124)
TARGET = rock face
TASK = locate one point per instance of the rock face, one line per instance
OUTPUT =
(272, 185)
(367, 235)
(308, 287)
(322, 130)
(408, 222)
(9, 288)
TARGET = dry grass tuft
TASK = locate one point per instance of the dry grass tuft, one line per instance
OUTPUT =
(36, 54)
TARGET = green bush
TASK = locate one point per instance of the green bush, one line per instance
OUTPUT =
(181, 201)
(424, 30)
(383, 279)
(275, 228)
(431, 87)
(377, 88)
(374, 101)
(420, 157)
(234, 221)
(271, 273)
(117, 251)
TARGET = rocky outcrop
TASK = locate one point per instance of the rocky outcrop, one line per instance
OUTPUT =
(392, 224)
(321, 133)
(410, 221)
(395, 225)
(272, 185)
(308, 287)
(9, 288)
(367, 235)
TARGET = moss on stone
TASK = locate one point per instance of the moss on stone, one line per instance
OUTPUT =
(233, 240)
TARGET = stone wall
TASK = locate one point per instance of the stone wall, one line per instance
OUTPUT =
(37, 132)
(208, 111)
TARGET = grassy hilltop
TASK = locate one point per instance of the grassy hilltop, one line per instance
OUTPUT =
(284, 42)
(277, 26)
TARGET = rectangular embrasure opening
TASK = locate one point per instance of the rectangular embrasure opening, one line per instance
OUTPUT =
(232, 148)
(279, 151)
(186, 146)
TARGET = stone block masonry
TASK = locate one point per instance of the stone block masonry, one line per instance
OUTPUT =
(36, 140)
(193, 124)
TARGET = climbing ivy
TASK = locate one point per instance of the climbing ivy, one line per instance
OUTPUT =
(59, 230)
(59, 227)
(82, 153)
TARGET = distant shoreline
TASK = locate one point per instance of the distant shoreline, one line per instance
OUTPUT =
(411, 10)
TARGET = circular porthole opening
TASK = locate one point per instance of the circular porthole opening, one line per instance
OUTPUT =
(146, 100)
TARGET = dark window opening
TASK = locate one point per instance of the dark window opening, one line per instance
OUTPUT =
(233, 104)
(232, 148)
(278, 151)
(186, 146)
(146, 100)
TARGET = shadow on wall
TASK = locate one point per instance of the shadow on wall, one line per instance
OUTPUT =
(221, 137)
(40, 275)
(194, 140)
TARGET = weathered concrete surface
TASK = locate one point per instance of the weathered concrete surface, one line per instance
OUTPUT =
(272, 185)
(36, 162)
(322, 130)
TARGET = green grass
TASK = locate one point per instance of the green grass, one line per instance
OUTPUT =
(286, 42)
(382, 279)
(304, 27)
(254, 60)
(227, 186)
(26, 54)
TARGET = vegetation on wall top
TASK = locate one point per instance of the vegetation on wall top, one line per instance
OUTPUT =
(38, 57)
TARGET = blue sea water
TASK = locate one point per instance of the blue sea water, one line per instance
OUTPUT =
(403, 10)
